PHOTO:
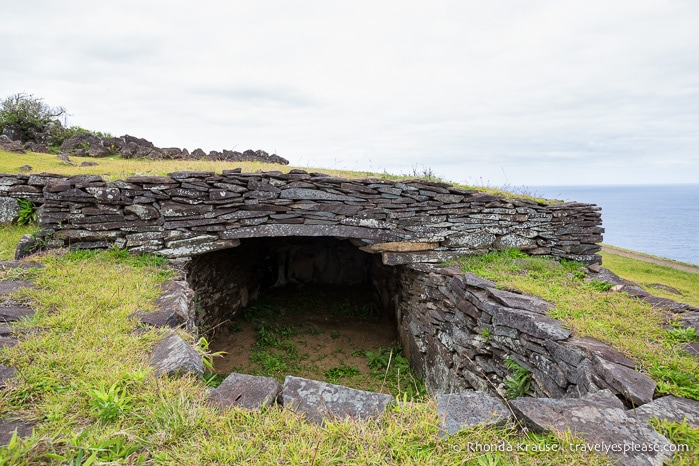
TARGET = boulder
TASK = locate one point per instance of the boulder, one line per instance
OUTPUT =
(319, 401)
(245, 391)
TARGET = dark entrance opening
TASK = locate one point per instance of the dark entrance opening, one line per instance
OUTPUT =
(318, 308)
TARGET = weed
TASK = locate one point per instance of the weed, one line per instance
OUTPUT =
(518, 383)
(202, 348)
(271, 364)
(681, 334)
(109, 404)
(334, 334)
(213, 380)
(393, 368)
(340, 372)
(27, 213)
(599, 286)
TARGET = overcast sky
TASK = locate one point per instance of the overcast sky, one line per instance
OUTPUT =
(499, 93)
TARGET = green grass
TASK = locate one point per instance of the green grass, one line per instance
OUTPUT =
(647, 274)
(9, 235)
(630, 325)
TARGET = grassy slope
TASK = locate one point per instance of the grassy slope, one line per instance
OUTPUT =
(84, 378)
(648, 275)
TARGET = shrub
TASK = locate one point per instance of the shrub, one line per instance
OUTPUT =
(28, 113)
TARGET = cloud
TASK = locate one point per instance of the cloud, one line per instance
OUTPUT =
(510, 92)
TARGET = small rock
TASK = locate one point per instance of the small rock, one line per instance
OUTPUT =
(594, 268)
(637, 388)
(7, 342)
(692, 349)
(9, 209)
(25, 168)
(12, 312)
(172, 356)
(160, 319)
(89, 164)
(7, 265)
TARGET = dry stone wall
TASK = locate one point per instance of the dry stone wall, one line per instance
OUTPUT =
(189, 213)
(458, 329)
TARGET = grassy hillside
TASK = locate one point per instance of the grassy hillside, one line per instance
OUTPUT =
(656, 278)
(83, 373)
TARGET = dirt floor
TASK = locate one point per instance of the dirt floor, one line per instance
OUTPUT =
(322, 333)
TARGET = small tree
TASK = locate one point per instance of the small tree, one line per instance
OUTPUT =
(27, 113)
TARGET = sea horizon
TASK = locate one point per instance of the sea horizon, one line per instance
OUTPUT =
(657, 219)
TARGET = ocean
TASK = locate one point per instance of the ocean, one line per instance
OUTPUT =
(658, 220)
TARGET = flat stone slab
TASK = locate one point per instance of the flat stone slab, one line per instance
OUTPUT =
(319, 401)
(245, 391)
(671, 408)
(599, 419)
(458, 411)
(10, 286)
(12, 312)
(591, 347)
(174, 307)
(637, 388)
(160, 319)
(7, 342)
(7, 265)
(172, 355)
(520, 301)
(6, 373)
(9, 427)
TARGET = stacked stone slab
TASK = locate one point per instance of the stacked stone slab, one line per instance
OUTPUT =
(189, 213)
(458, 329)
